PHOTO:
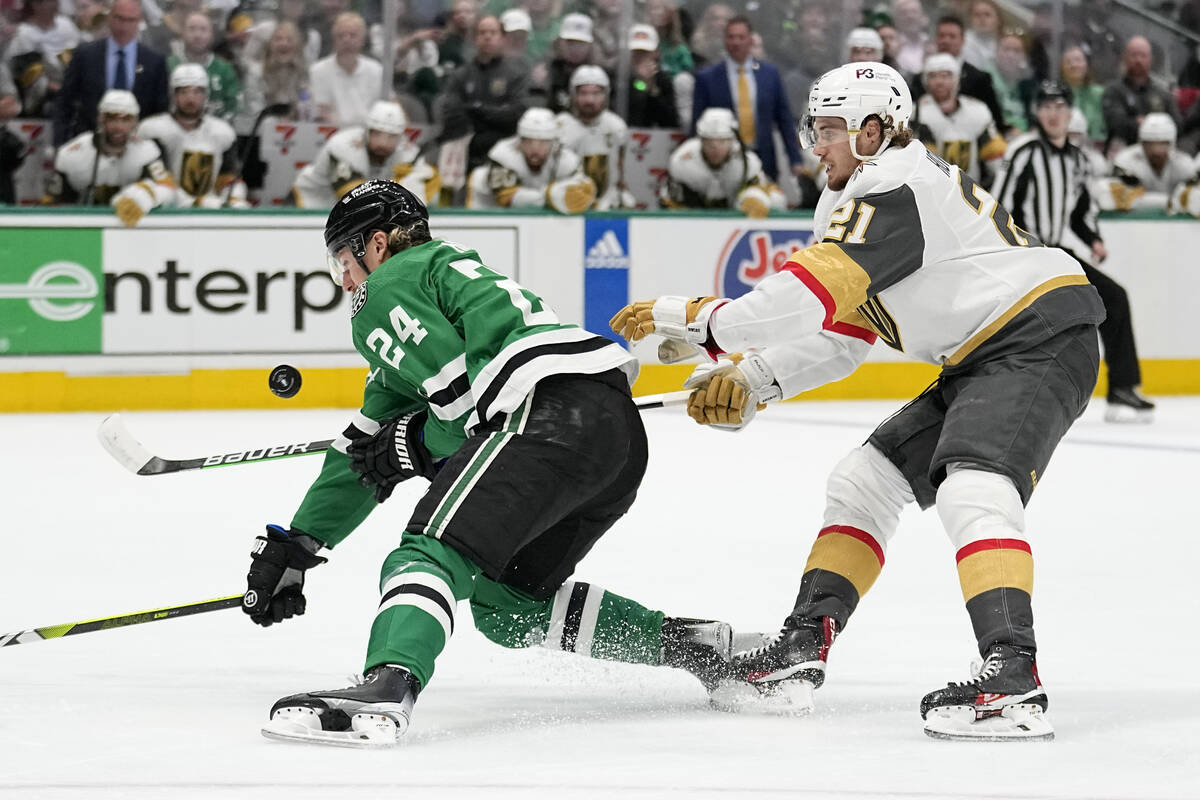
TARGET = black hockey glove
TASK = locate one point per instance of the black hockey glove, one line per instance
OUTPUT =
(395, 453)
(275, 583)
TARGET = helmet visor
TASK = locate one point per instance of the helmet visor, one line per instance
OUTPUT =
(813, 131)
(340, 255)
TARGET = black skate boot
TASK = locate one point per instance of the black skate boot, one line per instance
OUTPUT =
(779, 677)
(1126, 404)
(1004, 701)
(702, 647)
(373, 713)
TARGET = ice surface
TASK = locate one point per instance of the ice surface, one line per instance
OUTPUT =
(722, 528)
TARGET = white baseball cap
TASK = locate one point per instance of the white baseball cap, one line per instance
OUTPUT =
(516, 19)
(577, 27)
(867, 38)
(643, 37)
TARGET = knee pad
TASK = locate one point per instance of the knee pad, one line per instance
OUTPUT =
(867, 491)
(975, 504)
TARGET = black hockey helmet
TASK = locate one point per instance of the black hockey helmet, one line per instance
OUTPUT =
(1048, 91)
(376, 205)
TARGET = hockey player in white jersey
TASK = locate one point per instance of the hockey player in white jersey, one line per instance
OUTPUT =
(198, 147)
(598, 136)
(1146, 174)
(713, 170)
(958, 128)
(910, 250)
(1077, 134)
(531, 170)
(356, 155)
(111, 164)
(1186, 197)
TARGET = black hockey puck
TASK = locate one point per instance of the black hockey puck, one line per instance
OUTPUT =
(284, 381)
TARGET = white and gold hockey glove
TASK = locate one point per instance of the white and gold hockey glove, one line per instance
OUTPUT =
(730, 392)
(681, 318)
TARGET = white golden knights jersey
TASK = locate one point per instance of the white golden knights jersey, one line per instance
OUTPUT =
(203, 160)
(506, 181)
(1135, 184)
(343, 163)
(964, 137)
(600, 145)
(1186, 197)
(916, 253)
(692, 183)
(77, 166)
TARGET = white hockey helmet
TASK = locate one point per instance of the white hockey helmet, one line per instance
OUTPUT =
(537, 123)
(387, 117)
(589, 75)
(119, 101)
(941, 62)
(1078, 124)
(1157, 127)
(189, 75)
(854, 92)
(716, 123)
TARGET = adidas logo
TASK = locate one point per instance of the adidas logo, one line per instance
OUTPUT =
(607, 253)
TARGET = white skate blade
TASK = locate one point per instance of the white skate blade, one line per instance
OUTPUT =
(367, 731)
(1124, 415)
(786, 699)
(1017, 723)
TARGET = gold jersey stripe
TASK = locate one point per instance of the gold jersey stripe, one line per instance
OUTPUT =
(840, 275)
(993, 569)
(847, 556)
(1022, 304)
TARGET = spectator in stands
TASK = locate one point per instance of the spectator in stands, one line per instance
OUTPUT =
(91, 18)
(753, 91)
(598, 136)
(1146, 174)
(487, 95)
(912, 29)
(714, 170)
(324, 20)
(864, 44)
(1126, 101)
(516, 26)
(39, 52)
(974, 82)
(455, 46)
(544, 16)
(111, 165)
(115, 62)
(982, 35)
(531, 170)
(891, 44)
(280, 77)
(12, 147)
(224, 88)
(415, 69)
(1077, 73)
(292, 11)
(651, 91)
(1013, 86)
(572, 49)
(606, 31)
(164, 36)
(708, 42)
(355, 155)
(674, 55)
(959, 129)
(345, 84)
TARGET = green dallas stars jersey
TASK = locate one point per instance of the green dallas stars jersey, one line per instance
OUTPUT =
(441, 330)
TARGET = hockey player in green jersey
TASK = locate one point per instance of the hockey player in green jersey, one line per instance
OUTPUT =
(533, 446)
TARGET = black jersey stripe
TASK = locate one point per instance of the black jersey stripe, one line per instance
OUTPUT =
(574, 616)
(518, 360)
(423, 591)
(458, 387)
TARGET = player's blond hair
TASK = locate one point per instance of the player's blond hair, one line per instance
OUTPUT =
(403, 237)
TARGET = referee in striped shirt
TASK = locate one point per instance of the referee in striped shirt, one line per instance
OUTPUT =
(1043, 184)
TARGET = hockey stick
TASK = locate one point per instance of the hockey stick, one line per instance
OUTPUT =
(87, 626)
(129, 452)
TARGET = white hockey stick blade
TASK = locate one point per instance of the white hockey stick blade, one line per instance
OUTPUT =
(120, 444)
(663, 400)
(1017, 723)
(367, 731)
(785, 699)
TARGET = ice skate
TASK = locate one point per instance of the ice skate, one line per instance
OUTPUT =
(1003, 702)
(373, 713)
(702, 647)
(1126, 404)
(780, 676)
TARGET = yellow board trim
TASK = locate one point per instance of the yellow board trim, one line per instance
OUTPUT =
(994, 569)
(846, 556)
(1022, 304)
(40, 392)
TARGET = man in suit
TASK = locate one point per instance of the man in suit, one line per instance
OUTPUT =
(115, 62)
(753, 91)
